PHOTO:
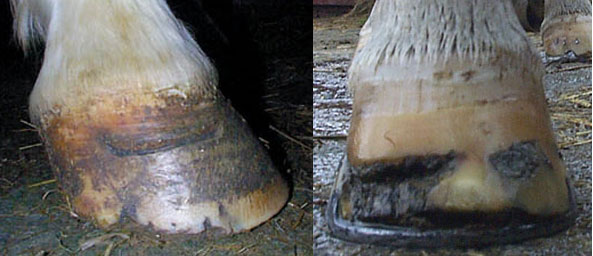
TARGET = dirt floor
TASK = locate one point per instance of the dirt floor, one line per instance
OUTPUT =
(36, 220)
(568, 92)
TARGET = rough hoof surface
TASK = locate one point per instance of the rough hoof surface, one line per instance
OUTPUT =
(393, 210)
(173, 167)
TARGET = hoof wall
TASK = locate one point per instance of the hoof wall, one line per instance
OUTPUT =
(395, 210)
(567, 33)
(176, 169)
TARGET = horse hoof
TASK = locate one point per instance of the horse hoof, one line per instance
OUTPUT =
(562, 33)
(483, 172)
(386, 209)
(448, 147)
(171, 165)
(466, 163)
(127, 105)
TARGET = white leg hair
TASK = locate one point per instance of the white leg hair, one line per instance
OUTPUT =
(433, 32)
(109, 46)
(555, 8)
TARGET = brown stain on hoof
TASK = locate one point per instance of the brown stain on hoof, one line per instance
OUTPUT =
(120, 160)
(86, 206)
(468, 75)
(442, 75)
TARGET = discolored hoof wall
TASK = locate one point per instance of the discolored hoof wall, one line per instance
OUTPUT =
(172, 165)
(450, 142)
(567, 33)
(458, 157)
(374, 205)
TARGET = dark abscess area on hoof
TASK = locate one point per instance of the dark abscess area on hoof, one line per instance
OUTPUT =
(410, 167)
(437, 228)
(394, 193)
(520, 160)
